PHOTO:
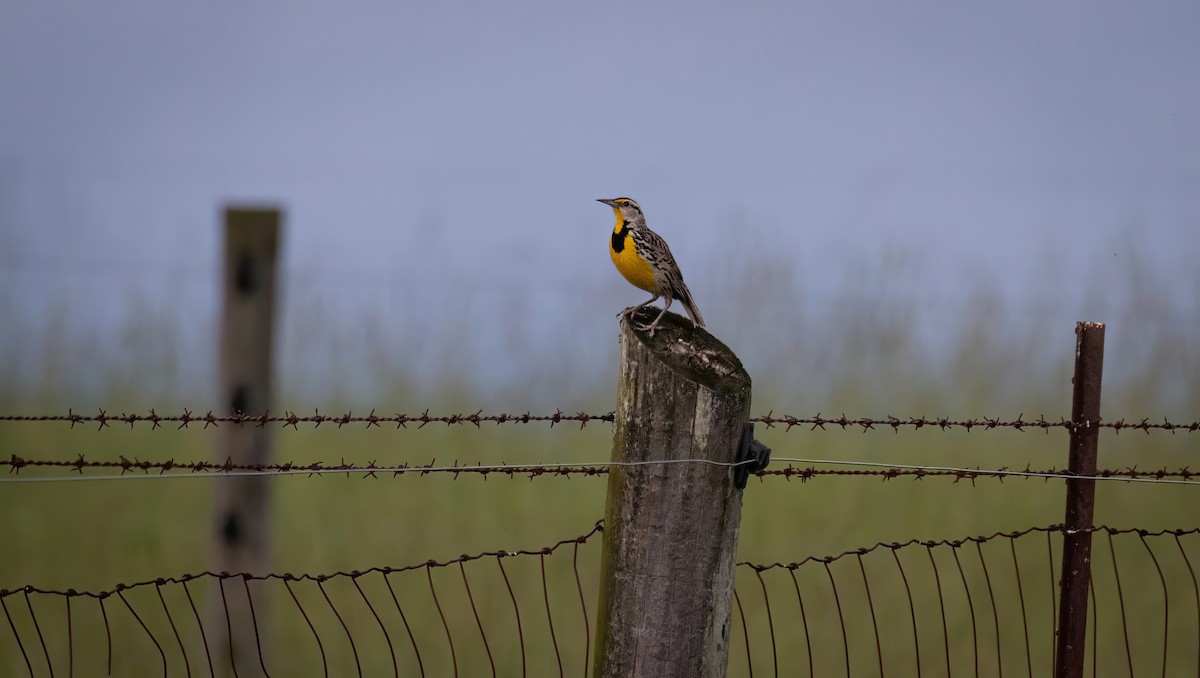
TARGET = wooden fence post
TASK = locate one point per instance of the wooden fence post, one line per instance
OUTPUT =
(241, 503)
(670, 529)
(1081, 495)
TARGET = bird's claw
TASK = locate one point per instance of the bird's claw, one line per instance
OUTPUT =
(648, 329)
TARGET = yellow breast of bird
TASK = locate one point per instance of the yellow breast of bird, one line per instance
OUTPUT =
(631, 265)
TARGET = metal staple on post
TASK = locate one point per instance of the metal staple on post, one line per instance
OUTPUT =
(1071, 637)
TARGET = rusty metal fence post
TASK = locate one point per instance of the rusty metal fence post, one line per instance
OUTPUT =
(674, 505)
(1071, 638)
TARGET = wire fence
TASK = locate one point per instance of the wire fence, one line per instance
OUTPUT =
(408, 614)
(183, 420)
(982, 605)
(138, 468)
(973, 606)
(945, 607)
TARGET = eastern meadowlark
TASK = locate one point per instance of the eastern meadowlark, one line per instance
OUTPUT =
(642, 256)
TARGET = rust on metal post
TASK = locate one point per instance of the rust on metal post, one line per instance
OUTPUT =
(670, 529)
(1081, 495)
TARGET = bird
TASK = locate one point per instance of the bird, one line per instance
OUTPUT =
(642, 256)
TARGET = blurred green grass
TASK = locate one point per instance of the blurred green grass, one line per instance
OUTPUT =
(92, 535)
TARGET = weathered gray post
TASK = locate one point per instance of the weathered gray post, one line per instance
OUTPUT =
(241, 503)
(1081, 497)
(670, 525)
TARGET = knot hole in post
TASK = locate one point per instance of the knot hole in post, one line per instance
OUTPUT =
(244, 278)
(237, 403)
(231, 528)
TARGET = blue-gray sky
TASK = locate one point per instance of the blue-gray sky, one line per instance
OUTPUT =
(441, 159)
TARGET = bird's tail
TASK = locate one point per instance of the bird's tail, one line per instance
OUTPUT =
(684, 295)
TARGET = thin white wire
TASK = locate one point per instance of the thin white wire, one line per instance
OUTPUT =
(549, 469)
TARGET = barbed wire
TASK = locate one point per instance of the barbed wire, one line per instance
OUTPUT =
(170, 468)
(188, 417)
(1181, 476)
(209, 419)
(1020, 423)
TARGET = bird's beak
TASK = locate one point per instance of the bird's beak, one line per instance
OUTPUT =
(606, 201)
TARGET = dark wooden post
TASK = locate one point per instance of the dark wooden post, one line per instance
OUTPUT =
(251, 249)
(670, 529)
(1081, 495)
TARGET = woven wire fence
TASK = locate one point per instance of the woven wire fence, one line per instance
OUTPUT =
(976, 606)
(525, 612)
(981, 605)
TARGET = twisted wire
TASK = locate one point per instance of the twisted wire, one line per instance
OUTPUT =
(209, 419)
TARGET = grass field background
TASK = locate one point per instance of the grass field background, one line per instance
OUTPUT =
(997, 358)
